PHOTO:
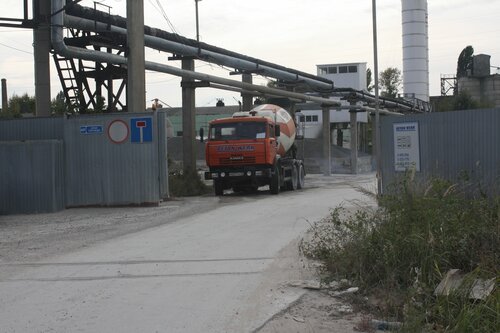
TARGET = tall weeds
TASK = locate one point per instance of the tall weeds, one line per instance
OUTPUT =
(403, 249)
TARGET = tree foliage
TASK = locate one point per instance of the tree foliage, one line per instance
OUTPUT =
(462, 101)
(100, 104)
(18, 105)
(58, 104)
(390, 81)
(465, 61)
(22, 104)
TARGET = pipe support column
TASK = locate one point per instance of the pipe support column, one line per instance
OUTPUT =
(136, 81)
(188, 118)
(247, 98)
(5, 98)
(354, 141)
(327, 158)
(41, 51)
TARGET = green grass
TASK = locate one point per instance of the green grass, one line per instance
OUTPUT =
(399, 252)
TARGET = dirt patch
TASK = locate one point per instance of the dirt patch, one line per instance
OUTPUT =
(315, 311)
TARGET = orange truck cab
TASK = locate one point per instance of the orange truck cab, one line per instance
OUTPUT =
(242, 153)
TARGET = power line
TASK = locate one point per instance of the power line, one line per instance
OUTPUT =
(11, 47)
(159, 7)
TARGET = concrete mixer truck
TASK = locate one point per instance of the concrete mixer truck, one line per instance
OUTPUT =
(253, 149)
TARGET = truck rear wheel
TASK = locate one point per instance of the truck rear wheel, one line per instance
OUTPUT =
(300, 177)
(293, 182)
(274, 186)
(218, 188)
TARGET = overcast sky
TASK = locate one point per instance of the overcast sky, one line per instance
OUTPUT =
(294, 33)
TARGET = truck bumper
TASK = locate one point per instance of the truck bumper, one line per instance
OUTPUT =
(240, 174)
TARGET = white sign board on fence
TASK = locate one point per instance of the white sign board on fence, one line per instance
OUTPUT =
(406, 146)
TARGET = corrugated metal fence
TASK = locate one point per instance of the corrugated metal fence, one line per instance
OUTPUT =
(31, 176)
(111, 159)
(448, 145)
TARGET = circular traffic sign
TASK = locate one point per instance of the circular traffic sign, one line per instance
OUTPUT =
(118, 131)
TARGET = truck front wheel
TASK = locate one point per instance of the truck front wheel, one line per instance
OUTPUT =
(274, 186)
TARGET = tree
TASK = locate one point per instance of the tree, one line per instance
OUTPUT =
(22, 104)
(58, 104)
(465, 61)
(369, 86)
(464, 101)
(100, 104)
(390, 80)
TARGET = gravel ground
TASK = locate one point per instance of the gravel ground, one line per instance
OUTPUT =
(31, 238)
(26, 238)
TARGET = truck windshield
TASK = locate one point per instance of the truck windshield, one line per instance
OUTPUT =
(238, 131)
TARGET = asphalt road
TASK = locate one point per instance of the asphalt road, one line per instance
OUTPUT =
(216, 270)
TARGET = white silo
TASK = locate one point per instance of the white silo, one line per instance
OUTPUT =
(415, 49)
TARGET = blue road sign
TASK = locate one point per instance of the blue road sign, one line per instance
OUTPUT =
(91, 129)
(141, 130)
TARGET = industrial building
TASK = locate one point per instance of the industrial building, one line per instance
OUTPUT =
(480, 84)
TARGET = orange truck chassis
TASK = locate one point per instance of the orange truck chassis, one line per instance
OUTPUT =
(253, 149)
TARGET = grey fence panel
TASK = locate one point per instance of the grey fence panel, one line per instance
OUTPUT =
(453, 145)
(31, 176)
(50, 128)
(110, 162)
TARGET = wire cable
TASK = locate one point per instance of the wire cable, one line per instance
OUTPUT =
(11, 47)
(165, 16)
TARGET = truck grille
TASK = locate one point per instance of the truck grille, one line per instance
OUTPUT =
(241, 161)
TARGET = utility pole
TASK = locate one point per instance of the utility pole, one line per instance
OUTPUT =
(197, 21)
(377, 112)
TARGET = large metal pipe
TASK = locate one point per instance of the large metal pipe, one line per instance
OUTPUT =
(95, 15)
(61, 48)
(402, 105)
(187, 50)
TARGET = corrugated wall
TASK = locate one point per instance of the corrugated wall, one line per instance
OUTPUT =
(103, 168)
(451, 144)
(112, 159)
(50, 128)
(31, 176)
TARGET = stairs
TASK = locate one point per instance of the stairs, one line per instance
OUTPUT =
(67, 70)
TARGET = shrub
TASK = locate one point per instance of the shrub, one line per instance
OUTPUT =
(403, 249)
(186, 184)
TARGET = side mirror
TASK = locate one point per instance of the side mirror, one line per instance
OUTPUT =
(277, 131)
